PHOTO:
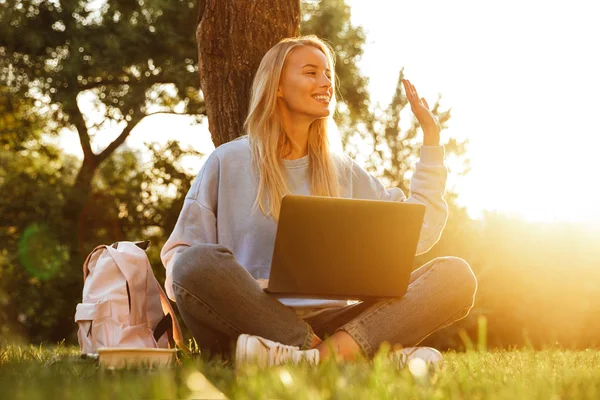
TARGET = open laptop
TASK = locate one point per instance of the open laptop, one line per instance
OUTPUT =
(336, 248)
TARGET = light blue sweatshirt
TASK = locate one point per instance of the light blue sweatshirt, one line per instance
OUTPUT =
(218, 208)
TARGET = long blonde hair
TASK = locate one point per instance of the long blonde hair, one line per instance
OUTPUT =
(268, 142)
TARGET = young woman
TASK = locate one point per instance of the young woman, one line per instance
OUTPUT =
(219, 254)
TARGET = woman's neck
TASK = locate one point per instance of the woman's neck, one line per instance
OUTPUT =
(297, 133)
(298, 147)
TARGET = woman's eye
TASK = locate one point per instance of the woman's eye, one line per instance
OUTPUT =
(314, 73)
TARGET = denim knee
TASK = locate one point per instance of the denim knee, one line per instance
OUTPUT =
(199, 261)
(461, 277)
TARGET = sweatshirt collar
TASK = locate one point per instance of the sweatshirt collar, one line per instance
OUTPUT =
(297, 163)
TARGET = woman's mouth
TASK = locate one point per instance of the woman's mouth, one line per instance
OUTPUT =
(321, 99)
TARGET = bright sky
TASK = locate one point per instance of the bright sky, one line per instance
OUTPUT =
(522, 78)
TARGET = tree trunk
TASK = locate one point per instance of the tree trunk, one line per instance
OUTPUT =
(76, 201)
(233, 36)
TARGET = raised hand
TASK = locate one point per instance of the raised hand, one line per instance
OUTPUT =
(429, 123)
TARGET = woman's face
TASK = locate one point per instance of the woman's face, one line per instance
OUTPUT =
(305, 87)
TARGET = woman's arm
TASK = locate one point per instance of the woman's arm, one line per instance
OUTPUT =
(427, 187)
(428, 183)
(197, 222)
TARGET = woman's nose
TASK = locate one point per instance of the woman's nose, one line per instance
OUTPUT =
(326, 82)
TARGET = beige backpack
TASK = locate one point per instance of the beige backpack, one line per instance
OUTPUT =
(123, 304)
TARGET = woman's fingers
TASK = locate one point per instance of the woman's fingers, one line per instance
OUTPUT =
(408, 88)
(411, 93)
(263, 283)
(415, 93)
(413, 96)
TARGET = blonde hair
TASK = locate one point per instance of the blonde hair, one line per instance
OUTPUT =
(268, 142)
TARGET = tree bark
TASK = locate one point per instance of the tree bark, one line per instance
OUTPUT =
(77, 197)
(233, 36)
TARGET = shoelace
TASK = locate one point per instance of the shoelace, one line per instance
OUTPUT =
(282, 353)
(401, 357)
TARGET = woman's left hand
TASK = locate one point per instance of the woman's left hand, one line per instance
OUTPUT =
(429, 123)
(263, 283)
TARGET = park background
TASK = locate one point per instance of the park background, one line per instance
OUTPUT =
(103, 127)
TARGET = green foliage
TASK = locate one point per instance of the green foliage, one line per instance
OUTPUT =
(19, 122)
(141, 200)
(127, 202)
(120, 53)
(33, 178)
(526, 374)
(129, 59)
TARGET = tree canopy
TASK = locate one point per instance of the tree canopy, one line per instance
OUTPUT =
(130, 59)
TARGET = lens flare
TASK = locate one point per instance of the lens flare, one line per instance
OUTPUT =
(286, 377)
(417, 367)
(40, 252)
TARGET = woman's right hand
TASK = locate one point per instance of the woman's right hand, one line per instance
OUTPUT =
(263, 283)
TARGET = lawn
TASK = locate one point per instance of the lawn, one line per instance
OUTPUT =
(59, 373)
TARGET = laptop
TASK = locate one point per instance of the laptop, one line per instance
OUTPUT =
(336, 248)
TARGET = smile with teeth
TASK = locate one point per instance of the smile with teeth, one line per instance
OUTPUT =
(321, 98)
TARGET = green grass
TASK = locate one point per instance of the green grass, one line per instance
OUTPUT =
(59, 373)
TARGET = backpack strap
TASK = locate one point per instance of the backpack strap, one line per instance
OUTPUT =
(136, 281)
(86, 270)
(168, 309)
(165, 325)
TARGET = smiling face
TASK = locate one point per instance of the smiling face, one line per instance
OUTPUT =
(305, 87)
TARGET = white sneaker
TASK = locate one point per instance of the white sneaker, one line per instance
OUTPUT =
(405, 356)
(266, 353)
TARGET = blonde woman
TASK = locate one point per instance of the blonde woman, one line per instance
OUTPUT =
(219, 255)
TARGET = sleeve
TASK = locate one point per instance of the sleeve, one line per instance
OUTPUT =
(197, 222)
(427, 186)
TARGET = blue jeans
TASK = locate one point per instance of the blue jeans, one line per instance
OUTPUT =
(219, 300)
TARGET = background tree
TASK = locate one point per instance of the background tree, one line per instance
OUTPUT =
(18, 120)
(130, 59)
(39, 283)
(127, 60)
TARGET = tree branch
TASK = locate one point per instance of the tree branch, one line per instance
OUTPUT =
(173, 113)
(137, 117)
(76, 117)
(116, 82)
